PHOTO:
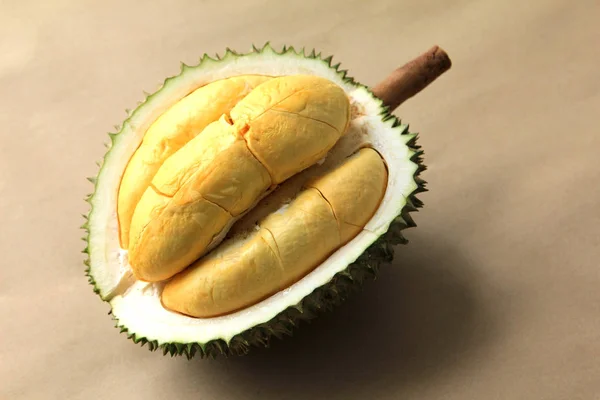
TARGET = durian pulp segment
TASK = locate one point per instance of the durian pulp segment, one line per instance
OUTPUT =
(280, 128)
(137, 306)
(171, 131)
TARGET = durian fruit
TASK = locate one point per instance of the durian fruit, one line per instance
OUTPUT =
(246, 195)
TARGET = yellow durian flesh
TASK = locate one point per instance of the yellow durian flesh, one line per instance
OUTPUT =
(271, 134)
(170, 132)
(361, 180)
(192, 198)
(292, 122)
(328, 213)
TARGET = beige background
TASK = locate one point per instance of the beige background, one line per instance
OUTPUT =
(496, 297)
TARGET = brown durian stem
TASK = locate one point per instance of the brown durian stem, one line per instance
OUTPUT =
(412, 77)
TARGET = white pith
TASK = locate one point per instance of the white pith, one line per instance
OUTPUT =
(137, 304)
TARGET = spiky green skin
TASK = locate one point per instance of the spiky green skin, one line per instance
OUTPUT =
(321, 299)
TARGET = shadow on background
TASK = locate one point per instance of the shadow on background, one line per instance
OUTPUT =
(413, 325)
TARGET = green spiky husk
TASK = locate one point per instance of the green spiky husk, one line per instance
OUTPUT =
(324, 298)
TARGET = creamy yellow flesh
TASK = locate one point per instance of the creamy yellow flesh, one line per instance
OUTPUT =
(278, 129)
(171, 131)
(210, 158)
(328, 213)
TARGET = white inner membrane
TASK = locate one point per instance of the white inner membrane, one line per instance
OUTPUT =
(137, 304)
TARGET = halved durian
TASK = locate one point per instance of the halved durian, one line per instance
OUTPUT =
(301, 225)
